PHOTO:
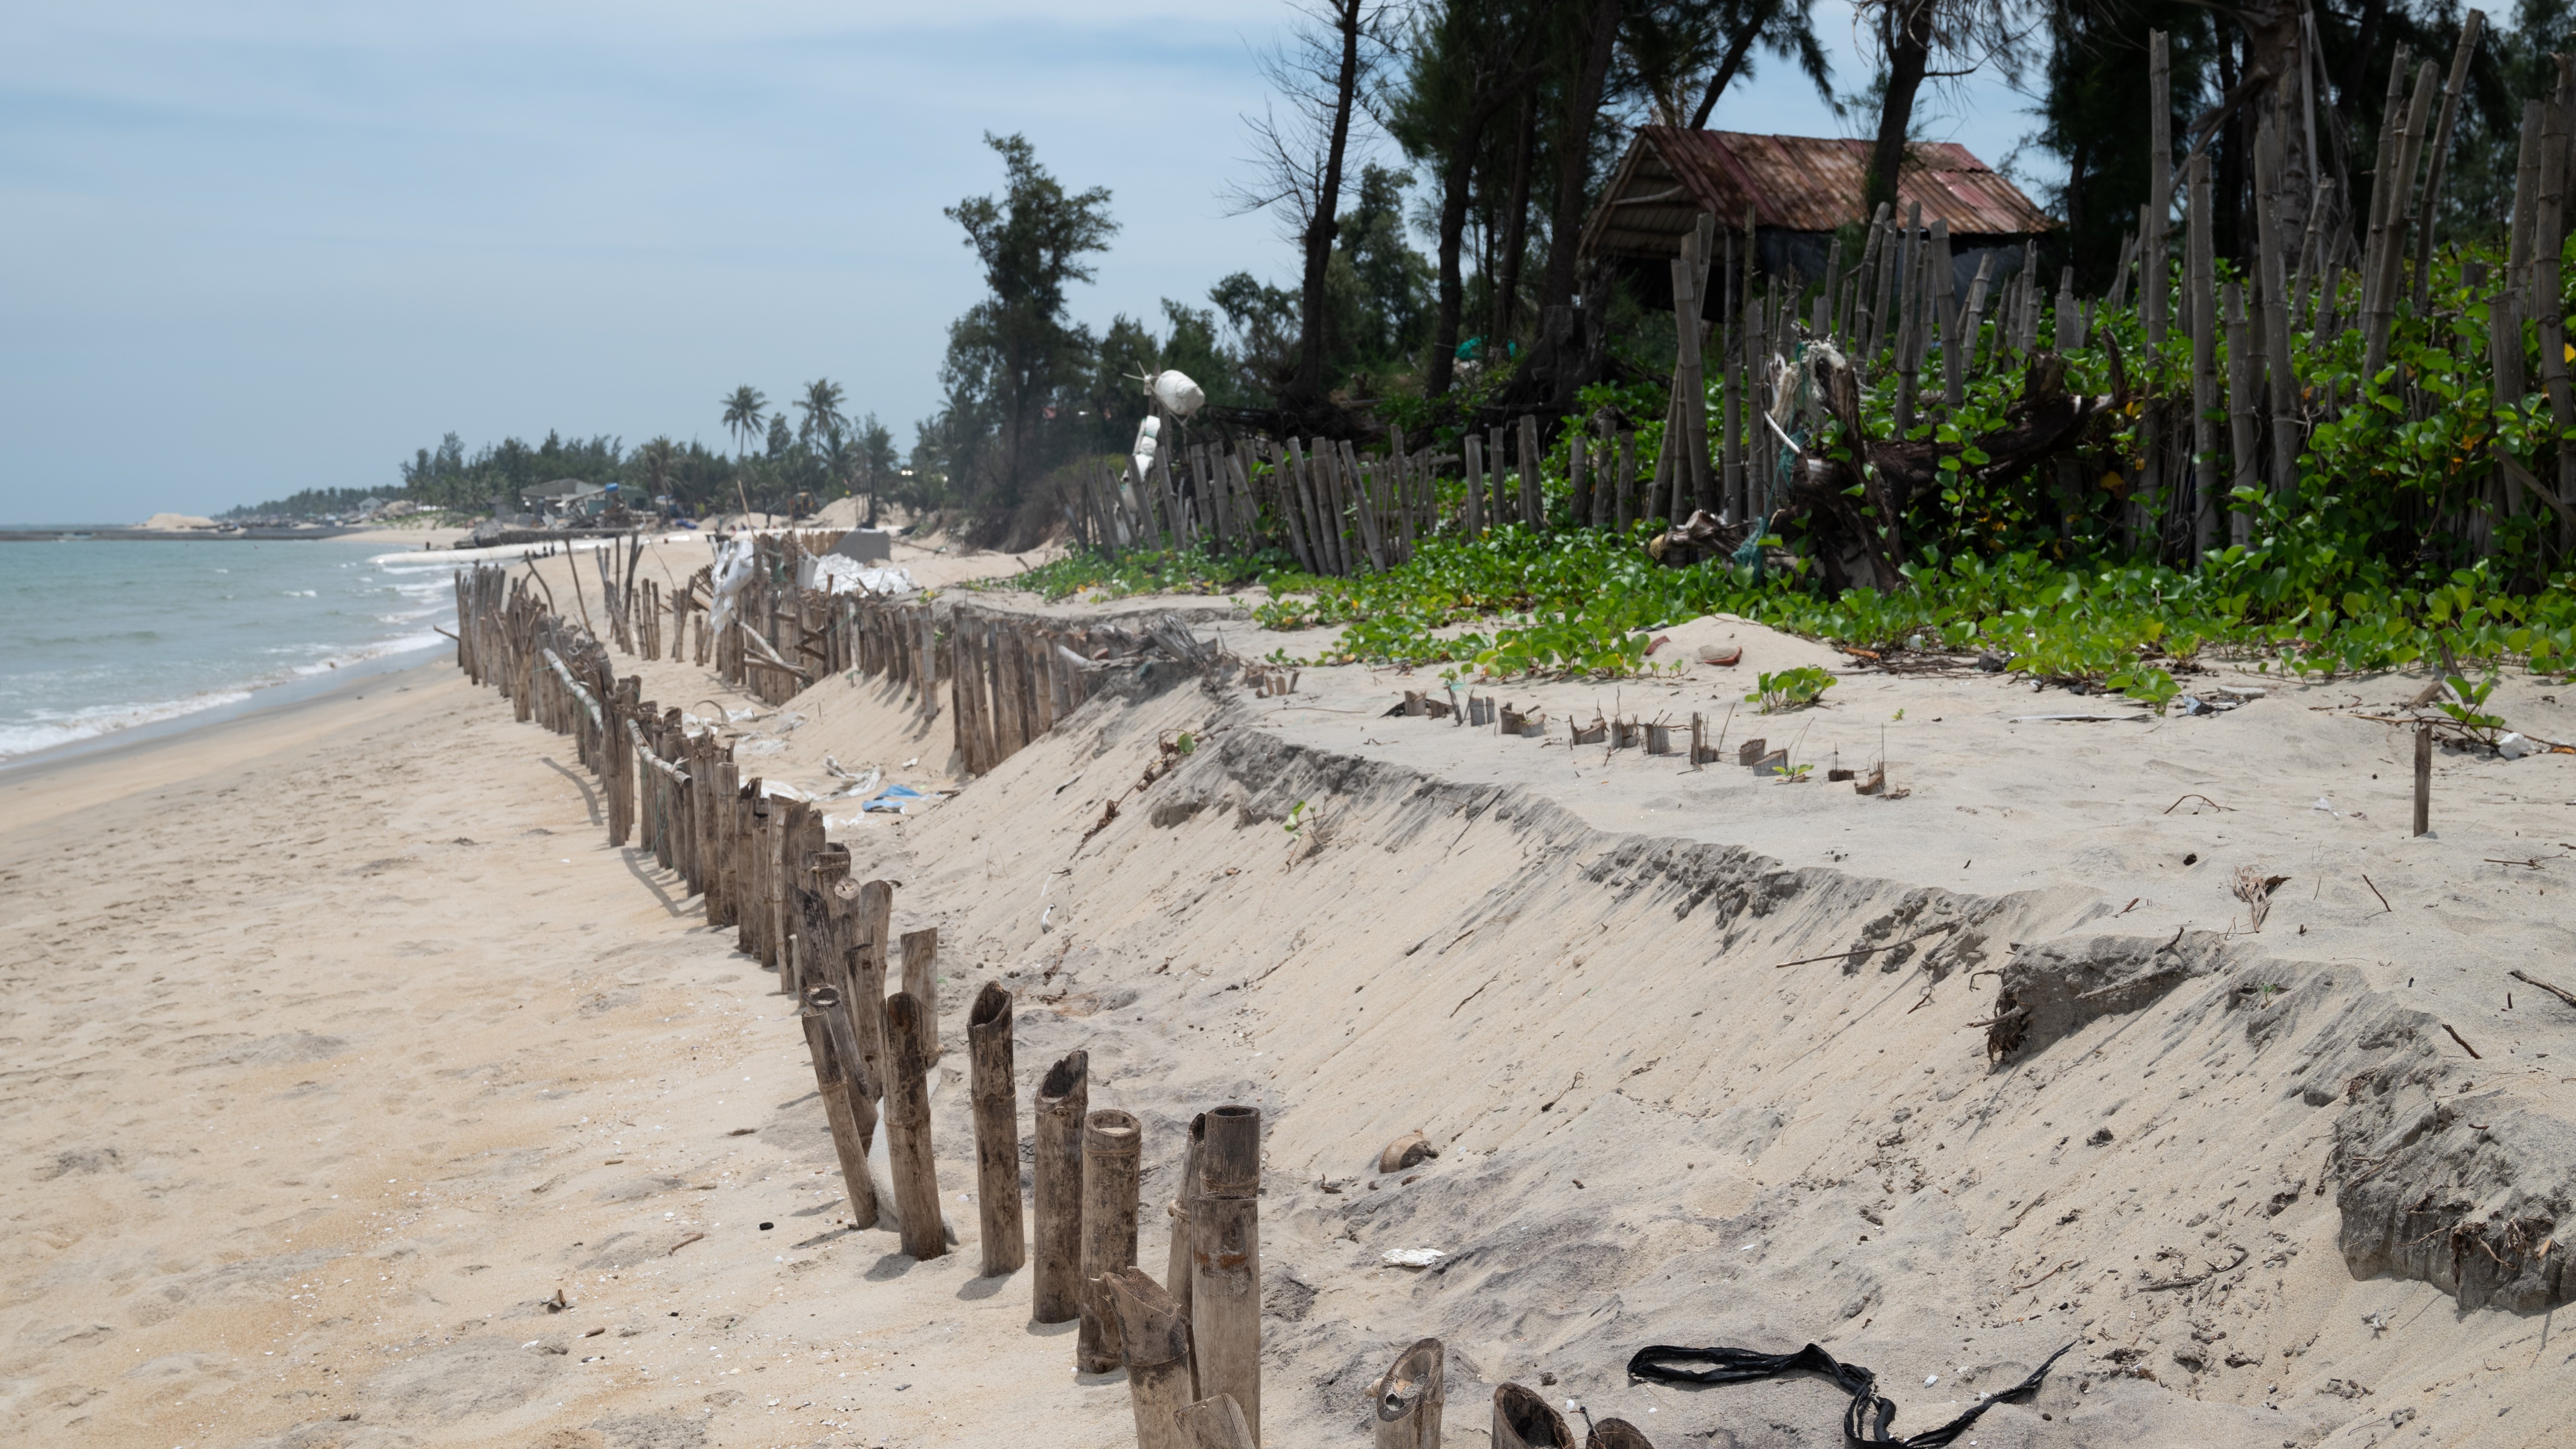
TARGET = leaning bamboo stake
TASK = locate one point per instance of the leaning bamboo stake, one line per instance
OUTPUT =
(2452, 90)
(850, 1116)
(1407, 1399)
(1154, 1344)
(1217, 1422)
(1110, 1140)
(997, 1131)
(1062, 1100)
(1225, 1260)
(907, 1095)
(2387, 276)
(1524, 1420)
(921, 982)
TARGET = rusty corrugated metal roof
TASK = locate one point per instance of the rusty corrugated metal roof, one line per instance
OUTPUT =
(1791, 183)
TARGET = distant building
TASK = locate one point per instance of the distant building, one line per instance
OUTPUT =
(1791, 194)
(568, 498)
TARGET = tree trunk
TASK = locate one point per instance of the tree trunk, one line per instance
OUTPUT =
(1583, 104)
(1453, 228)
(1909, 55)
(1737, 45)
(1515, 245)
(1323, 223)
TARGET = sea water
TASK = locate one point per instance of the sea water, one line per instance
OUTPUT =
(99, 636)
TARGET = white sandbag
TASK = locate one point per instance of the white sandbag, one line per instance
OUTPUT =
(1178, 394)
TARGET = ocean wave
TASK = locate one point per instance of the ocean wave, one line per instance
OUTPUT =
(45, 729)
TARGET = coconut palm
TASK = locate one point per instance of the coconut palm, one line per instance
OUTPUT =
(743, 415)
(822, 408)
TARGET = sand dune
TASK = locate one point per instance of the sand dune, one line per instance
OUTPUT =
(340, 1044)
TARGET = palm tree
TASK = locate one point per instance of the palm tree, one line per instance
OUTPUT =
(742, 415)
(660, 459)
(822, 408)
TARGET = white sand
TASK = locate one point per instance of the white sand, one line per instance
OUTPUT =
(340, 1040)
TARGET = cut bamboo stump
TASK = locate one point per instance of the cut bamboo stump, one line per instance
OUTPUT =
(921, 981)
(1523, 1420)
(907, 1097)
(1225, 1261)
(1110, 1142)
(1616, 1434)
(1216, 1422)
(1408, 1397)
(869, 916)
(852, 1116)
(1154, 1343)
(997, 1131)
(1062, 1099)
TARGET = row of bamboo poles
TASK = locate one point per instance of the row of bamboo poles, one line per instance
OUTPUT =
(1190, 1342)
(2228, 430)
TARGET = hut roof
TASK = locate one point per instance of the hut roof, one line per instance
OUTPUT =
(1789, 183)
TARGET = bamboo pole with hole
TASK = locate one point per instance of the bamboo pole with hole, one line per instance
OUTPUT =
(1225, 1260)
(847, 1110)
(1063, 1098)
(1154, 1344)
(995, 1095)
(908, 1157)
(871, 915)
(1110, 1142)
(1406, 1401)
(1524, 1420)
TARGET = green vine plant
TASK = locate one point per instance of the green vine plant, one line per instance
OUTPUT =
(1790, 689)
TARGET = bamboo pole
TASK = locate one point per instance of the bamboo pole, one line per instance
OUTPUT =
(1954, 348)
(2452, 89)
(921, 982)
(1472, 449)
(1154, 1344)
(908, 1157)
(1110, 1142)
(1407, 1399)
(2272, 283)
(2391, 196)
(1524, 1420)
(2242, 384)
(870, 916)
(2548, 236)
(1498, 504)
(848, 1112)
(1217, 1422)
(1176, 1268)
(995, 1094)
(1063, 1098)
(1533, 496)
(1225, 1261)
(1578, 474)
(1626, 499)
(2202, 301)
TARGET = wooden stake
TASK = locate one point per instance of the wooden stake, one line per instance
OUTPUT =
(2470, 30)
(2199, 280)
(1408, 1397)
(908, 1160)
(995, 1095)
(1524, 1420)
(1225, 1261)
(1217, 1422)
(1176, 1267)
(870, 917)
(1109, 1154)
(1154, 1344)
(1062, 1100)
(2423, 780)
(850, 1115)
(921, 983)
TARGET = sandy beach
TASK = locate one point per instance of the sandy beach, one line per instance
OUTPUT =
(365, 1097)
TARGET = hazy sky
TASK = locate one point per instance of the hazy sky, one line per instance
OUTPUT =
(249, 248)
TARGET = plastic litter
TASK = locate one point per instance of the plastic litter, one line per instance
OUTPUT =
(891, 802)
(1865, 1419)
(2514, 747)
(1412, 1257)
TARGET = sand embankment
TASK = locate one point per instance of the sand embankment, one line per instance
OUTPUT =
(338, 1050)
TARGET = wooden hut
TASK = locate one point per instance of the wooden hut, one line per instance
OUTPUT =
(1796, 191)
